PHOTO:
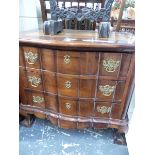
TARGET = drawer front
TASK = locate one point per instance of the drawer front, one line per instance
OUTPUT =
(87, 88)
(86, 107)
(103, 109)
(84, 63)
(68, 106)
(48, 58)
(125, 64)
(68, 62)
(35, 99)
(114, 64)
(116, 111)
(77, 63)
(89, 63)
(108, 110)
(50, 82)
(51, 102)
(34, 79)
(110, 91)
(67, 85)
(32, 57)
(42, 100)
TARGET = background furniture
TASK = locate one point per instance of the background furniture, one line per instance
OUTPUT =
(125, 25)
(75, 23)
(77, 80)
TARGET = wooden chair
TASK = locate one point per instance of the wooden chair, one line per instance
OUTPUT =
(119, 25)
(123, 25)
(85, 24)
(127, 25)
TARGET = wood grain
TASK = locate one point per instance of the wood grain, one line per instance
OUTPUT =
(71, 88)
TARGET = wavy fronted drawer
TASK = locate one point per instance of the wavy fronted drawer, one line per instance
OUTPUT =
(37, 58)
(41, 100)
(106, 64)
(77, 63)
(114, 64)
(72, 86)
(108, 110)
(76, 86)
(39, 80)
(110, 90)
(75, 107)
(87, 63)
(87, 108)
(31, 57)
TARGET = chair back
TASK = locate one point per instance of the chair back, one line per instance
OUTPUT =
(77, 14)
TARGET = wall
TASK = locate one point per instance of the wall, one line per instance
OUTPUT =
(29, 15)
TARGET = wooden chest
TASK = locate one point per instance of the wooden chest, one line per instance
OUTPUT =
(77, 80)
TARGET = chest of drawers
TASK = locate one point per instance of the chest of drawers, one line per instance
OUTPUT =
(77, 80)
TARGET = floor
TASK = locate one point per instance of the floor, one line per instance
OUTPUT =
(42, 138)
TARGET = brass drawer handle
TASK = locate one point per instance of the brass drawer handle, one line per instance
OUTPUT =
(68, 105)
(34, 81)
(106, 90)
(67, 59)
(103, 109)
(38, 99)
(31, 58)
(68, 84)
(110, 65)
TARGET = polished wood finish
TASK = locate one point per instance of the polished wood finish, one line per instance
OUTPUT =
(80, 41)
(78, 86)
(71, 67)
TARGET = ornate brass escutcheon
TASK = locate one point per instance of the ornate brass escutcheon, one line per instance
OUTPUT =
(67, 59)
(106, 90)
(68, 84)
(31, 58)
(38, 99)
(68, 105)
(34, 81)
(103, 109)
(110, 65)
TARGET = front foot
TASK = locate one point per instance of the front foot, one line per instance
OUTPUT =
(119, 138)
(28, 121)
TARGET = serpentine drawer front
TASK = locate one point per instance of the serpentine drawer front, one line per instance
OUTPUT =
(76, 84)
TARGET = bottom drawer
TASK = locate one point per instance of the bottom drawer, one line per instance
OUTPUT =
(42, 100)
(35, 99)
(74, 107)
(108, 110)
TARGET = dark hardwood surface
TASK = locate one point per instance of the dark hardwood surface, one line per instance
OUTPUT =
(82, 40)
(68, 79)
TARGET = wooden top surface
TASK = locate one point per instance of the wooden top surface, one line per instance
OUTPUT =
(79, 40)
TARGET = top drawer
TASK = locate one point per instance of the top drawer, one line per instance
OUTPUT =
(93, 63)
(37, 58)
(114, 64)
(32, 57)
(77, 63)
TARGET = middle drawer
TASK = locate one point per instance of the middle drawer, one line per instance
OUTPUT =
(41, 80)
(76, 86)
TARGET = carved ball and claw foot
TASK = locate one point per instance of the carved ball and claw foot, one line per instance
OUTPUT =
(119, 138)
(27, 121)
